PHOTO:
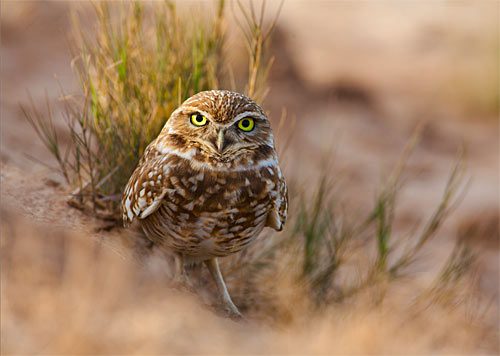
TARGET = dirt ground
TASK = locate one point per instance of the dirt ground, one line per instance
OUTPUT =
(355, 79)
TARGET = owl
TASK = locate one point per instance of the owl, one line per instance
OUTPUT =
(209, 183)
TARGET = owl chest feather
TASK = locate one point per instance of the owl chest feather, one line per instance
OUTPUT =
(212, 212)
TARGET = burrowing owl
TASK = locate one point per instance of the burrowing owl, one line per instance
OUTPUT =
(210, 182)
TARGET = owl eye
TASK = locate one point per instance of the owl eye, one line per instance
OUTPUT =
(198, 120)
(247, 124)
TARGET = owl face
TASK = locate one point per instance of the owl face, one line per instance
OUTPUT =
(223, 125)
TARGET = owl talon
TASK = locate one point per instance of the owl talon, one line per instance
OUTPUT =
(182, 280)
(234, 314)
(230, 308)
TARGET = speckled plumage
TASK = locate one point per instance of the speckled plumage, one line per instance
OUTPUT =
(204, 196)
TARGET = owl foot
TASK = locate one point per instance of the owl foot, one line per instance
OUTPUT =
(182, 280)
(231, 310)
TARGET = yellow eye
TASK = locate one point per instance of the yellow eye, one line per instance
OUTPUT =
(247, 124)
(198, 120)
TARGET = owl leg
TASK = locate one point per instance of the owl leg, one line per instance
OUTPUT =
(180, 272)
(213, 267)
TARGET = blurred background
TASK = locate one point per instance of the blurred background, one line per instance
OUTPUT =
(355, 78)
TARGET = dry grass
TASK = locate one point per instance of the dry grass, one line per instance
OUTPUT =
(335, 257)
(67, 294)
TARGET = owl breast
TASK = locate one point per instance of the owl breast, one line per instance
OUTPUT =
(210, 213)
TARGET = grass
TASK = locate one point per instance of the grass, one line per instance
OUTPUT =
(65, 293)
(337, 255)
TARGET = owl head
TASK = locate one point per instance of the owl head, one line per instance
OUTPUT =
(221, 125)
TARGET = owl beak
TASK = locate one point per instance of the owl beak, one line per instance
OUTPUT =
(220, 143)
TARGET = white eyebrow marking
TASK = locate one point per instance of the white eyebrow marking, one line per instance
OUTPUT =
(195, 109)
(254, 114)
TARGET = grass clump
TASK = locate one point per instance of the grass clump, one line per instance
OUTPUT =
(134, 70)
(388, 257)
(334, 255)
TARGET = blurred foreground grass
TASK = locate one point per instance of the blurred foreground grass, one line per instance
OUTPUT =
(68, 293)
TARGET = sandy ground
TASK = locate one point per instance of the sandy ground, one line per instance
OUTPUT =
(355, 79)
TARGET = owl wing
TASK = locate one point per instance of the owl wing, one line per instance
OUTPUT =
(146, 187)
(277, 216)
